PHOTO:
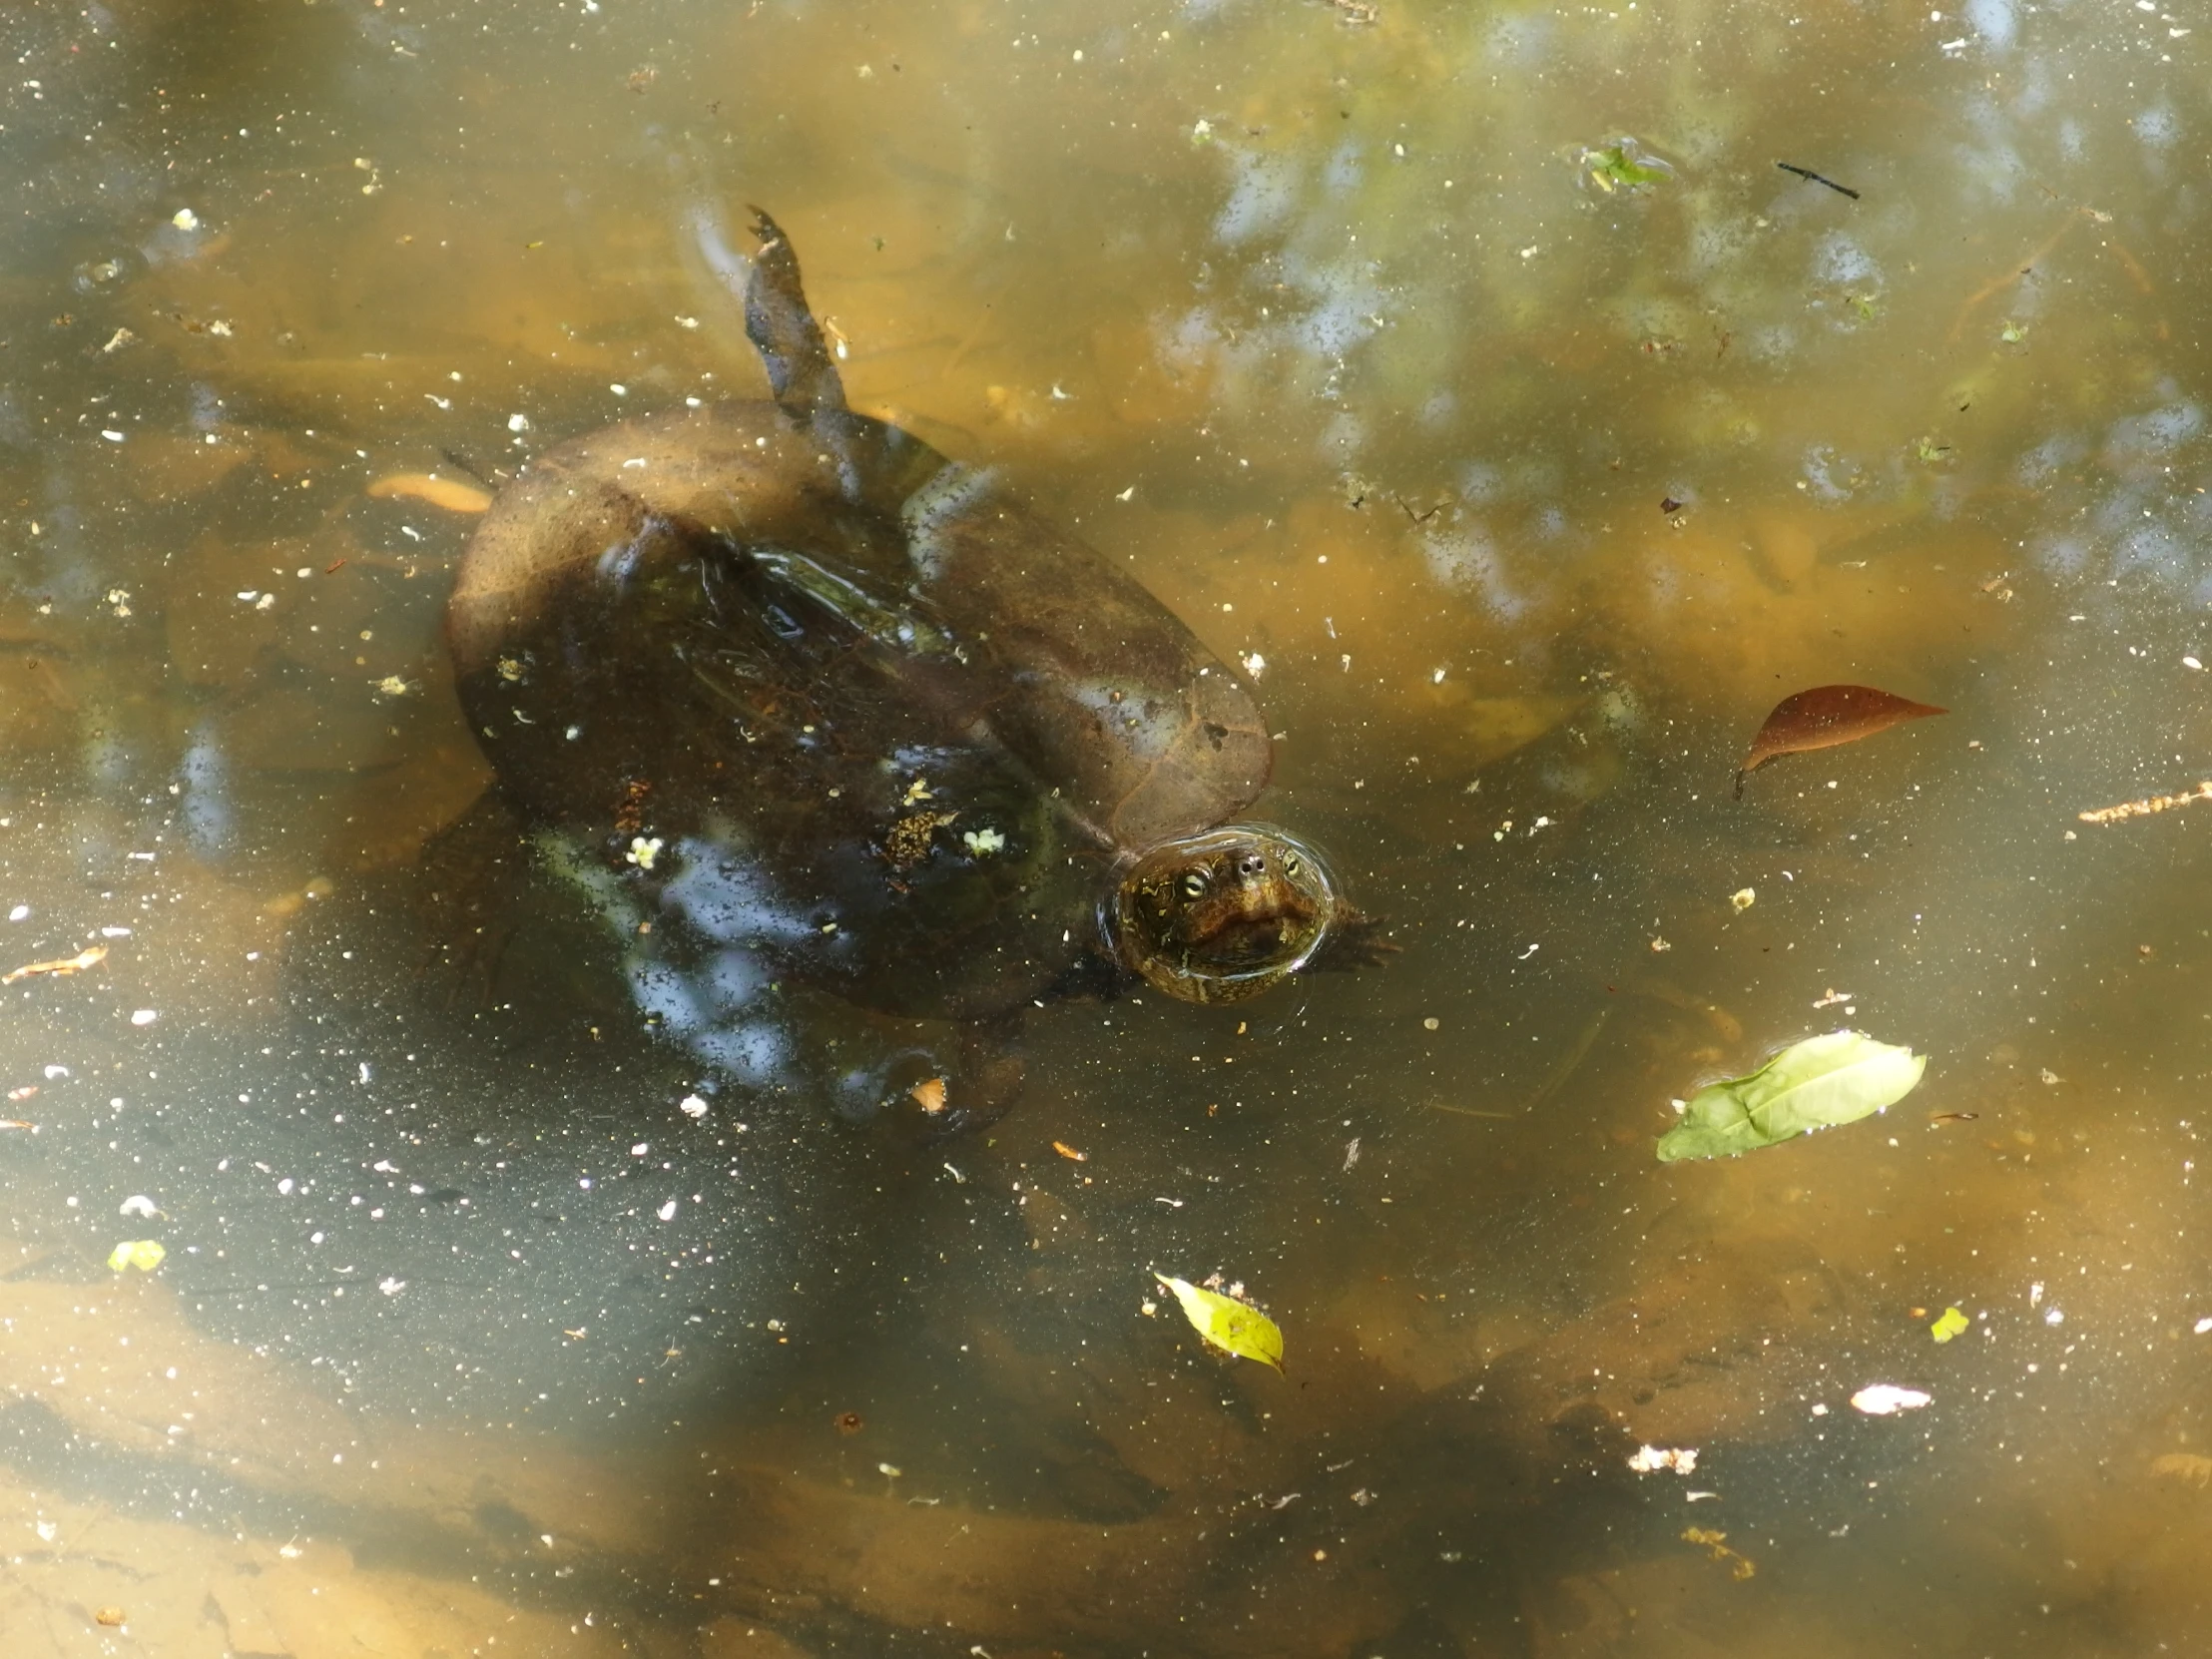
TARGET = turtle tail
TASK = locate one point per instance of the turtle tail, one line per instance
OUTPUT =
(801, 372)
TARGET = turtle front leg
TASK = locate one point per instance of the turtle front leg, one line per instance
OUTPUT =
(801, 372)
(1353, 941)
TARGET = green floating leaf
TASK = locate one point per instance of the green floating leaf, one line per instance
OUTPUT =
(1949, 1324)
(144, 1253)
(1624, 167)
(1814, 1084)
(1228, 1324)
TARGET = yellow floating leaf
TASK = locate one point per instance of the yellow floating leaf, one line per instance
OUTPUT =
(1949, 1324)
(450, 493)
(144, 1253)
(1227, 1324)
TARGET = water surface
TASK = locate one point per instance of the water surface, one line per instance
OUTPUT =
(1527, 498)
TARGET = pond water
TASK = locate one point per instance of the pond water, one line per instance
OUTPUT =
(1523, 483)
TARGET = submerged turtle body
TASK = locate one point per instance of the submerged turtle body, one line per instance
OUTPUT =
(798, 699)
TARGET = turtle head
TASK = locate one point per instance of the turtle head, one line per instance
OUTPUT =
(1221, 916)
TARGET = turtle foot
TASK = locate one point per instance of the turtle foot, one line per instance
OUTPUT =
(1353, 941)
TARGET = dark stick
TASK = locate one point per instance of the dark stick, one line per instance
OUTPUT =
(1808, 172)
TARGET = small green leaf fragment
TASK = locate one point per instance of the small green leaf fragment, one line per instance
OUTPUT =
(1814, 1084)
(1949, 1324)
(1624, 167)
(1227, 1324)
(144, 1253)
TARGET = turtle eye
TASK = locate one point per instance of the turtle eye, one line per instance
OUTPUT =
(1291, 864)
(1193, 883)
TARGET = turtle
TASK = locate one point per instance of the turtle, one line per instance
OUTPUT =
(807, 707)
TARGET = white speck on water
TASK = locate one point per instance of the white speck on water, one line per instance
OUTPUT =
(1881, 1399)
(144, 1016)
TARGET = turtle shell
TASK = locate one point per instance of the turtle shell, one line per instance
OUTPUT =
(789, 686)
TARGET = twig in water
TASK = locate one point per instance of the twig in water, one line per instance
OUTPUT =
(2148, 804)
(1571, 1064)
(1808, 172)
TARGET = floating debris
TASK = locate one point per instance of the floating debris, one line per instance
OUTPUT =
(1227, 1324)
(1623, 168)
(1740, 1566)
(450, 493)
(1882, 1400)
(1824, 717)
(2147, 805)
(1819, 1083)
(144, 1253)
(91, 956)
(1808, 172)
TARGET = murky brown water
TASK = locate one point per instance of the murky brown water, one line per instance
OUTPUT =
(1312, 315)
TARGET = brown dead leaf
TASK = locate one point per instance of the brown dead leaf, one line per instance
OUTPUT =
(929, 1095)
(1068, 1152)
(1824, 717)
(92, 956)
